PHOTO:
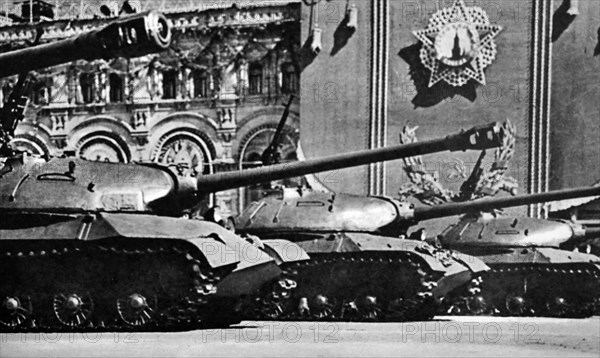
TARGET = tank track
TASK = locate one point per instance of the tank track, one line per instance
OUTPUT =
(84, 286)
(350, 287)
(546, 290)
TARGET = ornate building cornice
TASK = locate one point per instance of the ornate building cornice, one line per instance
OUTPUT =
(239, 16)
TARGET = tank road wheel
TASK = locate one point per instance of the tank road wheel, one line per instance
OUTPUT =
(515, 305)
(267, 307)
(477, 305)
(321, 307)
(273, 303)
(14, 311)
(369, 308)
(365, 308)
(135, 310)
(558, 306)
(72, 309)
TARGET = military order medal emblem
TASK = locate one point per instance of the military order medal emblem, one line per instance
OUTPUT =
(458, 44)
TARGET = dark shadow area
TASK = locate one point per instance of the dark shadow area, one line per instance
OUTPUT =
(342, 34)
(597, 49)
(561, 20)
(306, 55)
(430, 96)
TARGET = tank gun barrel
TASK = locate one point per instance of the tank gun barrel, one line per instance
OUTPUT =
(132, 36)
(480, 137)
(591, 232)
(489, 204)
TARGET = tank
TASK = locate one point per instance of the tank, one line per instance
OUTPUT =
(100, 246)
(348, 276)
(363, 266)
(535, 269)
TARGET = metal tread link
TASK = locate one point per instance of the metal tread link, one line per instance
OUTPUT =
(278, 303)
(186, 313)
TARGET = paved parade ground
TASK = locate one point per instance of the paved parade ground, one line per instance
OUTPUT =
(444, 337)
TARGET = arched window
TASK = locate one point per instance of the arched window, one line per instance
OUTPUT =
(289, 80)
(255, 78)
(116, 88)
(201, 84)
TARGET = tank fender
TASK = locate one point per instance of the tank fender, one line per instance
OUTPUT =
(471, 262)
(215, 251)
(437, 260)
(238, 249)
(219, 246)
(557, 256)
(284, 251)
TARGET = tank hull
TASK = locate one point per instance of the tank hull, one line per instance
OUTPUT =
(362, 277)
(123, 272)
(532, 281)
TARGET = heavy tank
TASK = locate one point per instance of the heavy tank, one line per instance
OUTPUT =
(357, 271)
(94, 246)
(535, 269)
(341, 232)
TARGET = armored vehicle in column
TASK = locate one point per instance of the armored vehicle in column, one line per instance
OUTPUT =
(79, 248)
(360, 267)
(535, 270)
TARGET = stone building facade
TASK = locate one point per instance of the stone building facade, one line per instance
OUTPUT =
(209, 104)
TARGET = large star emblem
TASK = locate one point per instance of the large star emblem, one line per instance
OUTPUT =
(458, 44)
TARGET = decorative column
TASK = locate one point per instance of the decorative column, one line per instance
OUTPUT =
(379, 89)
(539, 116)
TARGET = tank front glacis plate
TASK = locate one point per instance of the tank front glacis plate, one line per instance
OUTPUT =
(316, 211)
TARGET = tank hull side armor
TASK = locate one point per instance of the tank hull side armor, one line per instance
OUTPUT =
(107, 265)
(364, 277)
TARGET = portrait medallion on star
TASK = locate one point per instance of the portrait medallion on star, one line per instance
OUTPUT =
(458, 44)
